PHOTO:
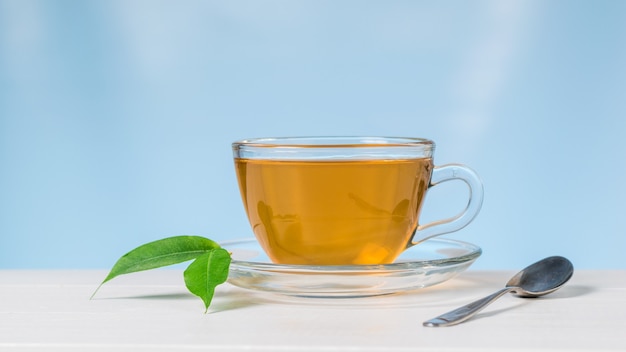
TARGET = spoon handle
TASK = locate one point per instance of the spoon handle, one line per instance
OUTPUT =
(465, 312)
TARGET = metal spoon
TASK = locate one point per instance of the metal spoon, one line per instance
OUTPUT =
(538, 279)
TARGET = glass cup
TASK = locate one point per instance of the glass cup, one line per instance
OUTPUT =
(344, 200)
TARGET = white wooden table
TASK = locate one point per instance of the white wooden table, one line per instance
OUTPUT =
(51, 311)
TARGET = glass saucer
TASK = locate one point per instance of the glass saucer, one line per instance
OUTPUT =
(427, 264)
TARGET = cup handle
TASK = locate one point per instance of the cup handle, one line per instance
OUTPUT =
(446, 173)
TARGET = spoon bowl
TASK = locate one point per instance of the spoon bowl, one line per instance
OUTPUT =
(538, 279)
(542, 277)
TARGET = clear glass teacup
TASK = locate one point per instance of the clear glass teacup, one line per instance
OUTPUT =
(344, 200)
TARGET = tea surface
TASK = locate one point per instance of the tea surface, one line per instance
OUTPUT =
(333, 212)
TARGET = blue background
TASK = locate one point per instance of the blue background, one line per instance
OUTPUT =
(116, 117)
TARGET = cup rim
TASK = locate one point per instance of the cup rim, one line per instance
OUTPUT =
(333, 148)
(333, 142)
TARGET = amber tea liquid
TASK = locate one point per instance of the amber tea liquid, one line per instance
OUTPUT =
(333, 212)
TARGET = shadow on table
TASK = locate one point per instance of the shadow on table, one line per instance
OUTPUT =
(571, 291)
(456, 292)
(233, 300)
(161, 296)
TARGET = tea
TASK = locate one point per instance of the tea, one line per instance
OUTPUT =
(333, 212)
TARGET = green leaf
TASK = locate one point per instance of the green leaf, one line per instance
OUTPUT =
(167, 251)
(207, 272)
